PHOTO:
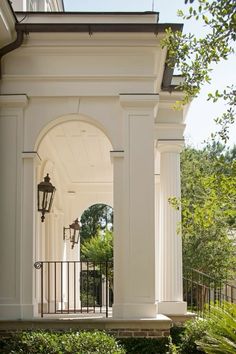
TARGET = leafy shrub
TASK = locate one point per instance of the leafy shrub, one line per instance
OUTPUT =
(31, 342)
(194, 330)
(221, 333)
(172, 349)
(87, 300)
(176, 333)
(214, 334)
(145, 345)
(60, 343)
(98, 342)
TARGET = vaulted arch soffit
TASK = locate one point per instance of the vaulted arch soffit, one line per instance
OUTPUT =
(71, 118)
(80, 152)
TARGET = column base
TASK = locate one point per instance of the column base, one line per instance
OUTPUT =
(134, 311)
(16, 312)
(172, 307)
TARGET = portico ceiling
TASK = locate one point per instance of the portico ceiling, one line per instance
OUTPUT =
(80, 151)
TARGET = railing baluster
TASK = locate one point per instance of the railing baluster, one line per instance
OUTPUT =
(68, 286)
(107, 299)
(42, 269)
(94, 287)
(75, 287)
(220, 294)
(61, 286)
(209, 294)
(48, 287)
(191, 302)
(87, 287)
(81, 286)
(55, 287)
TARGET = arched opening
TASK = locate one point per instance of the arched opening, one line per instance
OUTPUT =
(76, 154)
(97, 250)
(97, 217)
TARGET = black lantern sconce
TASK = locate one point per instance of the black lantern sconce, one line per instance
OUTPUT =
(74, 234)
(46, 193)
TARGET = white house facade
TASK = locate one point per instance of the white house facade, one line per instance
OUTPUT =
(88, 99)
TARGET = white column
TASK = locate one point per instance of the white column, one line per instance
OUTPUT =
(170, 245)
(12, 305)
(30, 160)
(157, 230)
(120, 251)
(134, 236)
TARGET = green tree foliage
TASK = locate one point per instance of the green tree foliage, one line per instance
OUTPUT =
(228, 118)
(193, 56)
(98, 248)
(97, 217)
(209, 210)
(208, 176)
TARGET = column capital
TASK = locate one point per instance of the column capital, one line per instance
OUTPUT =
(116, 154)
(157, 178)
(170, 145)
(13, 101)
(166, 131)
(31, 155)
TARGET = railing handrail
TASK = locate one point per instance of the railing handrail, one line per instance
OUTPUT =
(200, 272)
(210, 277)
(81, 261)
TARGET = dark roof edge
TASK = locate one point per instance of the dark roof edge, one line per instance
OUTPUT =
(11, 46)
(63, 6)
(98, 27)
(12, 11)
(87, 13)
(167, 77)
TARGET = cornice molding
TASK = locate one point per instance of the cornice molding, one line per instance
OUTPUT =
(139, 100)
(167, 126)
(168, 99)
(78, 77)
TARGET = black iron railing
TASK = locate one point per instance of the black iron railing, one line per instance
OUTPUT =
(200, 290)
(68, 287)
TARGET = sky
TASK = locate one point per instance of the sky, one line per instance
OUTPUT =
(200, 119)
